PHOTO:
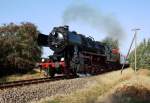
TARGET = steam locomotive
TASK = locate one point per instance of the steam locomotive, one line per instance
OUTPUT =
(75, 53)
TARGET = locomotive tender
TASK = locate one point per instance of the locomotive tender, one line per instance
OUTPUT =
(75, 53)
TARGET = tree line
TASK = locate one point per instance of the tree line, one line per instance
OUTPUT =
(143, 55)
(18, 46)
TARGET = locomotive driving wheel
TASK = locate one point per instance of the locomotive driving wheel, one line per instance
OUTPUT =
(51, 72)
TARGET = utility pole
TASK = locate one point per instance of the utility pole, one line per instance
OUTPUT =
(135, 54)
(128, 54)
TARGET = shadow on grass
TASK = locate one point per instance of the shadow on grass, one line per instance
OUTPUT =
(131, 94)
(6, 74)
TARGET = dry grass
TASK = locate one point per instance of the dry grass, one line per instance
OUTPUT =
(144, 72)
(31, 75)
(135, 90)
(96, 86)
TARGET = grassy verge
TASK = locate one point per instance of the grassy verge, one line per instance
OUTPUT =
(30, 75)
(96, 86)
(135, 90)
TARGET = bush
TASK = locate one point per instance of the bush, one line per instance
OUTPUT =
(18, 46)
(143, 55)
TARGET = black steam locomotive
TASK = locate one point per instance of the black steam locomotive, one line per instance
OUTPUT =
(75, 53)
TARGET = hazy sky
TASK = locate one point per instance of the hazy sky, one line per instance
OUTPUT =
(46, 14)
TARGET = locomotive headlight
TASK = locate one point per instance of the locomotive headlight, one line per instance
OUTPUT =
(60, 36)
(62, 59)
(43, 60)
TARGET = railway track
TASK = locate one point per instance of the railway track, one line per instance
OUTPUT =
(32, 81)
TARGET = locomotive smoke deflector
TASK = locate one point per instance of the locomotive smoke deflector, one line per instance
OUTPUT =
(42, 40)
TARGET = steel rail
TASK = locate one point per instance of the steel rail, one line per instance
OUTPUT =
(32, 81)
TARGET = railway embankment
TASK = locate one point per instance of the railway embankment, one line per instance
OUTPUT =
(110, 88)
(95, 89)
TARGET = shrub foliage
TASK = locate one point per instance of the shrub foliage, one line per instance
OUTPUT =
(18, 46)
(143, 55)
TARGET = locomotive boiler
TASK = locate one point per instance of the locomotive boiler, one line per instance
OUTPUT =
(75, 53)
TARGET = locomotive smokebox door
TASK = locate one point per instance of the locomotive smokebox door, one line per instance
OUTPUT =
(57, 39)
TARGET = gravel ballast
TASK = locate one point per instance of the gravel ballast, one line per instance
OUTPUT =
(35, 92)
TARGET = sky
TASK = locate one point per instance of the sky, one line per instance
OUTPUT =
(46, 14)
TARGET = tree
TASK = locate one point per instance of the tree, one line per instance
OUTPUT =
(18, 46)
(143, 55)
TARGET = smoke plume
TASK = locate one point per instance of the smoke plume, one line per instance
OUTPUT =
(93, 17)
